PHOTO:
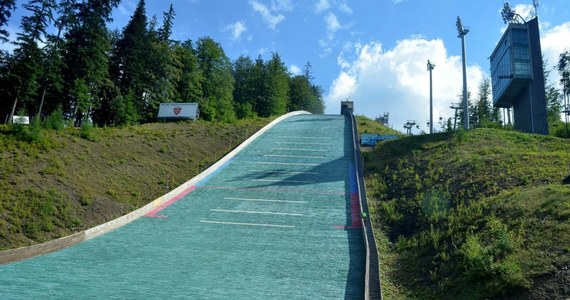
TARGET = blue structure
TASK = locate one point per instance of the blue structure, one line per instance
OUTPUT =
(517, 76)
(369, 139)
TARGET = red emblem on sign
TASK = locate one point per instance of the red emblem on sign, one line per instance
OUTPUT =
(177, 110)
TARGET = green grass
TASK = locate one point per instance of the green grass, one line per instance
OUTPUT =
(366, 125)
(58, 181)
(471, 215)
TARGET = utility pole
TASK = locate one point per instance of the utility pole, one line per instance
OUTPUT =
(463, 30)
(430, 67)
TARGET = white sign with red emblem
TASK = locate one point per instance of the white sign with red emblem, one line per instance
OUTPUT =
(181, 111)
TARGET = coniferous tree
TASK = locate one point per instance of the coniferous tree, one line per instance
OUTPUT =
(131, 59)
(304, 95)
(553, 99)
(563, 68)
(165, 68)
(482, 113)
(300, 93)
(218, 84)
(166, 30)
(189, 87)
(243, 72)
(28, 57)
(259, 94)
(277, 86)
(86, 56)
(6, 9)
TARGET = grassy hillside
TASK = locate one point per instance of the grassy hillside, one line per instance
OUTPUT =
(54, 183)
(366, 125)
(472, 215)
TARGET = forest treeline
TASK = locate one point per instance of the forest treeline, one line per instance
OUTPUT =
(67, 62)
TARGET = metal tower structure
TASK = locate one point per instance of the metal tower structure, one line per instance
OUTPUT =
(462, 31)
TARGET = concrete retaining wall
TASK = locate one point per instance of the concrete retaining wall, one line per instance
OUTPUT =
(13, 255)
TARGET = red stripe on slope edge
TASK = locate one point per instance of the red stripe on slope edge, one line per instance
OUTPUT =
(153, 213)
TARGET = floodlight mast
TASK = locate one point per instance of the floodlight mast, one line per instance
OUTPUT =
(430, 67)
(463, 30)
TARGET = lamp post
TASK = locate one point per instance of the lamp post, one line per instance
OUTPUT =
(430, 67)
(462, 30)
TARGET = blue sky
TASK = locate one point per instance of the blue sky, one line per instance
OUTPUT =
(374, 52)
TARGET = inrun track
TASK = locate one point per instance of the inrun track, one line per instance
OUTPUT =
(278, 221)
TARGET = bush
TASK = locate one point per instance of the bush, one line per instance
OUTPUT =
(28, 133)
(487, 259)
(55, 120)
(87, 130)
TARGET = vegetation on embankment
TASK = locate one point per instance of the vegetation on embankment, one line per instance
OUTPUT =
(366, 125)
(473, 214)
(54, 183)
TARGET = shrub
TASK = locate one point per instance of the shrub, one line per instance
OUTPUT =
(28, 133)
(55, 120)
(87, 130)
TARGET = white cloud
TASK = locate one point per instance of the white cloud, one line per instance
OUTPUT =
(332, 22)
(271, 18)
(281, 5)
(342, 88)
(236, 29)
(325, 5)
(523, 10)
(322, 5)
(342, 6)
(553, 42)
(295, 70)
(332, 26)
(397, 81)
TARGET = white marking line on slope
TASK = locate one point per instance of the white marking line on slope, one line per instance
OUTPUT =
(266, 200)
(283, 172)
(255, 212)
(302, 143)
(247, 224)
(293, 156)
(286, 164)
(284, 181)
(301, 149)
(306, 137)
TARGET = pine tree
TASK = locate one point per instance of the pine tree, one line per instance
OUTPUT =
(165, 68)
(277, 87)
(166, 30)
(28, 57)
(6, 9)
(481, 112)
(132, 58)
(86, 55)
